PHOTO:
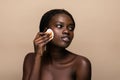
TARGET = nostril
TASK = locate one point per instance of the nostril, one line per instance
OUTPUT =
(66, 32)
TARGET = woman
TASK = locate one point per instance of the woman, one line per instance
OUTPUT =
(51, 60)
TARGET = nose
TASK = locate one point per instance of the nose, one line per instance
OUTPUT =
(65, 31)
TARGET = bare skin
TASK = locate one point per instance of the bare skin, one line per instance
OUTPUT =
(55, 62)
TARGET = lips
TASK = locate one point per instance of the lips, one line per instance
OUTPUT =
(65, 38)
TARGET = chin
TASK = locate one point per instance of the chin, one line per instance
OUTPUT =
(64, 45)
(60, 44)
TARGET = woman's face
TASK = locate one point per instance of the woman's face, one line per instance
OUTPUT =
(63, 28)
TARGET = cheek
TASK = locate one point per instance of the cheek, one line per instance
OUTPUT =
(57, 33)
(72, 35)
(56, 36)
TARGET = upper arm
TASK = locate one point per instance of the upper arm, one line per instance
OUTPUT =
(27, 66)
(83, 70)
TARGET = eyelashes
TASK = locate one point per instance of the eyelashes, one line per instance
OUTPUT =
(59, 25)
(70, 27)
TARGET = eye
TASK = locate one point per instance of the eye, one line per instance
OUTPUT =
(71, 27)
(59, 25)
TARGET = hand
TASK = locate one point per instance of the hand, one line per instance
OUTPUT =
(40, 42)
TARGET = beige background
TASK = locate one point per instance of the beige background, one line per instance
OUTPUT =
(97, 34)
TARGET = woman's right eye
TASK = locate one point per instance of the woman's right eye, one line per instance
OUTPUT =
(59, 25)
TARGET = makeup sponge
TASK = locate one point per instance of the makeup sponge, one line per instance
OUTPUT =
(49, 31)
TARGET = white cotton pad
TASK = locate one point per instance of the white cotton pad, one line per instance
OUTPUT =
(49, 31)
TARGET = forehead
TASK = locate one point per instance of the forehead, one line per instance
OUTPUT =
(61, 18)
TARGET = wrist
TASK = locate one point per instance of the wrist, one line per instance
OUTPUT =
(38, 55)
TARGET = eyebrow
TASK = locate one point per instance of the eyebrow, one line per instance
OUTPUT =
(63, 23)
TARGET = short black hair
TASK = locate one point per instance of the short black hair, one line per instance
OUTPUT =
(48, 16)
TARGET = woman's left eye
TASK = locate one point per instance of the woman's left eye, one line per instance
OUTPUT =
(71, 28)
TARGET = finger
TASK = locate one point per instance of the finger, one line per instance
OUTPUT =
(39, 34)
(39, 41)
(43, 41)
(41, 38)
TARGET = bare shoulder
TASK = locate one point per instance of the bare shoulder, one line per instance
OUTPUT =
(80, 60)
(27, 65)
(83, 68)
(83, 61)
(29, 57)
(28, 60)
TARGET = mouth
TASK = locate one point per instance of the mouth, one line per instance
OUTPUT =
(65, 39)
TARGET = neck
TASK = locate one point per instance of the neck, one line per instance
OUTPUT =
(57, 53)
